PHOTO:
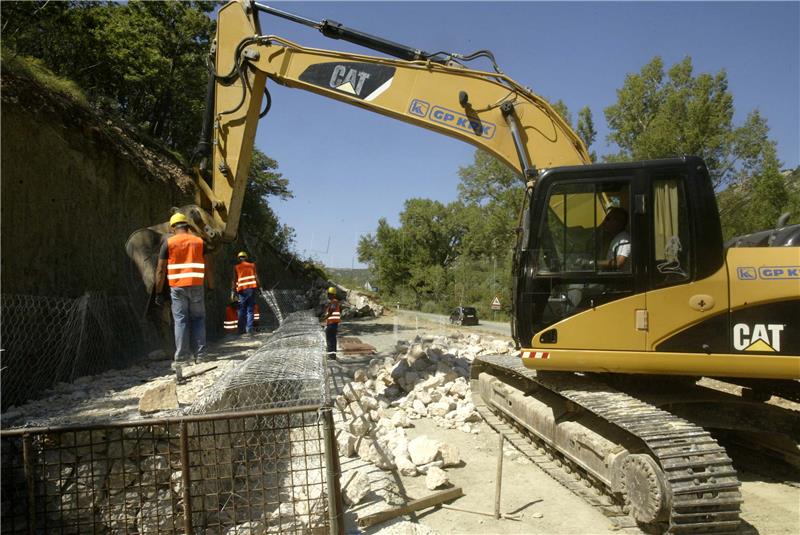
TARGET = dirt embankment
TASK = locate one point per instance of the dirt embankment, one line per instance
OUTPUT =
(75, 185)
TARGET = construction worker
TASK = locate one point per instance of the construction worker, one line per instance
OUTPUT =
(246, 283)
(332, 316)
(182, 263)
(231, 322)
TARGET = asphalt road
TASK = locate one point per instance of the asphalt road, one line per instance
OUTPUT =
(493, 327)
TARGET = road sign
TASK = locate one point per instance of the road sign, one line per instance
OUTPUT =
(496, 303)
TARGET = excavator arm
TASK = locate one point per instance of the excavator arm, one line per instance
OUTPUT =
(435, 91)
(486, 109)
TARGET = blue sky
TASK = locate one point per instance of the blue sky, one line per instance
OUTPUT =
(348, 167)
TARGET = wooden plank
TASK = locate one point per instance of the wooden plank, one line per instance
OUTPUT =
(415, 505)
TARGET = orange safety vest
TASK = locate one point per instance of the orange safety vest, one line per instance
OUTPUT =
(245, 276)
(256, 313)
(185, 262)
(231, 322)
(334, 312)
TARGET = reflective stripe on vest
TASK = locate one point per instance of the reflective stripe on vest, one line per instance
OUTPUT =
(185, 263)
(245, 276)
(231, 322)
(334, 313)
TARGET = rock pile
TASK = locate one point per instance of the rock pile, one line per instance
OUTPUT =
(426, 378)
(354, 303)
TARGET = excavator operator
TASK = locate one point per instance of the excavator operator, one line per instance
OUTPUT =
(613, 233)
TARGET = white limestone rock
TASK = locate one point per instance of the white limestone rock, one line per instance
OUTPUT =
(358, 426)
(405, 466)
(353, 391)
(159, 398)
(439, 408)
(347, 443)
(449, 454)
(356, 485)
(400, 419)
(435, 478)
(247, 528)
(423, 450)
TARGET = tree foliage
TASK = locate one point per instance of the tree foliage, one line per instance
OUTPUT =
(417, 257)
(145, 59)
(259, 222)
(662, 114)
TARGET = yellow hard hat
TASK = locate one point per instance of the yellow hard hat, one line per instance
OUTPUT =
(242, 254)
(177, 219)
(332, 290)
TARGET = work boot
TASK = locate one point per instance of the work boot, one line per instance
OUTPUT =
(177, 367)
(203, 357)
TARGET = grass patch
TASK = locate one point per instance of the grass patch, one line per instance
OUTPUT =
(34, 69)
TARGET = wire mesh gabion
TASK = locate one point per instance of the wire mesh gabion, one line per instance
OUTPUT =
(288, 370)
(285, 301)
(257, 472)
(51, 339)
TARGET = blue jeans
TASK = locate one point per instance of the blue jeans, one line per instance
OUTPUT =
(247, 304)
(331, 330)
(189, 313)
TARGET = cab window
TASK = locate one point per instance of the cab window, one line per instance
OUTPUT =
(584, 255)
(670, 253)
(586, 229)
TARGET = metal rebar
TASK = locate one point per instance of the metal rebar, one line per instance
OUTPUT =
(187, 480)
(27, 459)
(499, 477)
(333, 470)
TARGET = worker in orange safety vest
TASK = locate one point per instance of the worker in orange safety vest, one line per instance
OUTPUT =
(231, 322)
(246, 283)
(332, 316)
(181, 262)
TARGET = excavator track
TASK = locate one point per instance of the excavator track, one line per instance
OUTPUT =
(699, 484)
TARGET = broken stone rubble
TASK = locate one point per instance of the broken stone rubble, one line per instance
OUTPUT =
(425, 378)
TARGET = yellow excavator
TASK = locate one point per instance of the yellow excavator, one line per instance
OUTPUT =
(624, 293)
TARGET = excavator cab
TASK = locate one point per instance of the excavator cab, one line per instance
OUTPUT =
(604, 236)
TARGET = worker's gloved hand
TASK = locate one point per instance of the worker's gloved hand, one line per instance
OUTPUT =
(159, 300)
(584, 263)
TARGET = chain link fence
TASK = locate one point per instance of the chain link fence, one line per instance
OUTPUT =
(46, 340)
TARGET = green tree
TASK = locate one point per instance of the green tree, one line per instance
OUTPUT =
(585, 126)
(493, 191)
(660, 115)
(145, 59)
(416, 257)
(586, 130)
(259, 222)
